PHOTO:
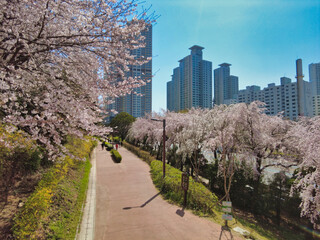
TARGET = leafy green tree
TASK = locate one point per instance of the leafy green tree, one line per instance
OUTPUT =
(121, 124)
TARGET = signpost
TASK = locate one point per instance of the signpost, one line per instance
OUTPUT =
(164, 145)
(227, 209)
(185, 186)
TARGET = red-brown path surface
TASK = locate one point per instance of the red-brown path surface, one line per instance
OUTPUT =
(128, 206)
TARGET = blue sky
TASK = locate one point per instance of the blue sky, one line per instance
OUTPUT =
(260, 38)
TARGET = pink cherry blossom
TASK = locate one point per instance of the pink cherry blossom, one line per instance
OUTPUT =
(58, 59)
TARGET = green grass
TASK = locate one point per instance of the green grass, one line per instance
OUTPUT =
(199, 198)
(54, 210)
(67, 206)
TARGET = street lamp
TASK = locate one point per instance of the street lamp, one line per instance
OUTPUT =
(164, 145)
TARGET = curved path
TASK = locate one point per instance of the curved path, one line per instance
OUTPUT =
(128, 206)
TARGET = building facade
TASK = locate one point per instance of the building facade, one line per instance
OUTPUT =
(316, 105)
(314, 78)
(293, 99)
(226, 86)
(139, 102)
(191, 83)
(280, 98)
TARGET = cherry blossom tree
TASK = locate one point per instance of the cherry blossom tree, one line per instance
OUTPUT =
(304, 137)
(143, 131)
(260, 142)
(58, 58)
(191, 137)
(221, 140)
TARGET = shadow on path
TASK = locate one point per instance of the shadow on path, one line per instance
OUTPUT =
(224, 230)
(180, 212)
(144, 204)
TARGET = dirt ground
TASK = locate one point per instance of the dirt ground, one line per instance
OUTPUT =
(16, 198)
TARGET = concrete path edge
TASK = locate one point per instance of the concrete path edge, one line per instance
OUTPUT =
(88, 218)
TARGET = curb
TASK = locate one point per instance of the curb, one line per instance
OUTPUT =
(88, 218)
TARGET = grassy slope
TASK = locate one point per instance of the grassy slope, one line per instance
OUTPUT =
(53, 211)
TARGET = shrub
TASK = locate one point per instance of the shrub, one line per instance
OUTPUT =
(116, 156)
(117, 139)
(199, 198)
(145, 156)
(109, 146)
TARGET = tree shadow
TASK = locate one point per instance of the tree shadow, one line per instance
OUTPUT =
(180, 212)
(144, 204)
(224, 230)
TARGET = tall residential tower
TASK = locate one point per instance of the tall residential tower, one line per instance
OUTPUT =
(314, 78)
(191, 83)
(226, 86)
(139, 102)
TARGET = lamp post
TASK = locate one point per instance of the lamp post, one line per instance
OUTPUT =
(164, 145)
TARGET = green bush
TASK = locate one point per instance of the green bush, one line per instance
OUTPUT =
(199, 198)
(145, 156)
(117, 139)
(109, 146)
(116, 156)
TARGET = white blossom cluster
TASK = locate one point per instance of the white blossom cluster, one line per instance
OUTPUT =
(58, 57)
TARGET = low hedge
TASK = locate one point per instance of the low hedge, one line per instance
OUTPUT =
(199, 198)
(54, 210)
(145, 156)
(109, 146)
(116, 156)
(116, 139)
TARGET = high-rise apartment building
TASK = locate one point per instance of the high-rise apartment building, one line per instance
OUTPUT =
(316, 105)
(314, 78)
(226, 86)
(139, 102)
(280, 98)
(294, 99)
(191, 83)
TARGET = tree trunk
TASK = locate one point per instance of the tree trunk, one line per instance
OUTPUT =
(159, 155)
(256, 195)
(192, 170)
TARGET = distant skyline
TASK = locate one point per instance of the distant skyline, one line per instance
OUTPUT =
(260, 38)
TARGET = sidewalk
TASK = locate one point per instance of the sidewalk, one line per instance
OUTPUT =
(128, 206)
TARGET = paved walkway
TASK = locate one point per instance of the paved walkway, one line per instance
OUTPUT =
(128, 206)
